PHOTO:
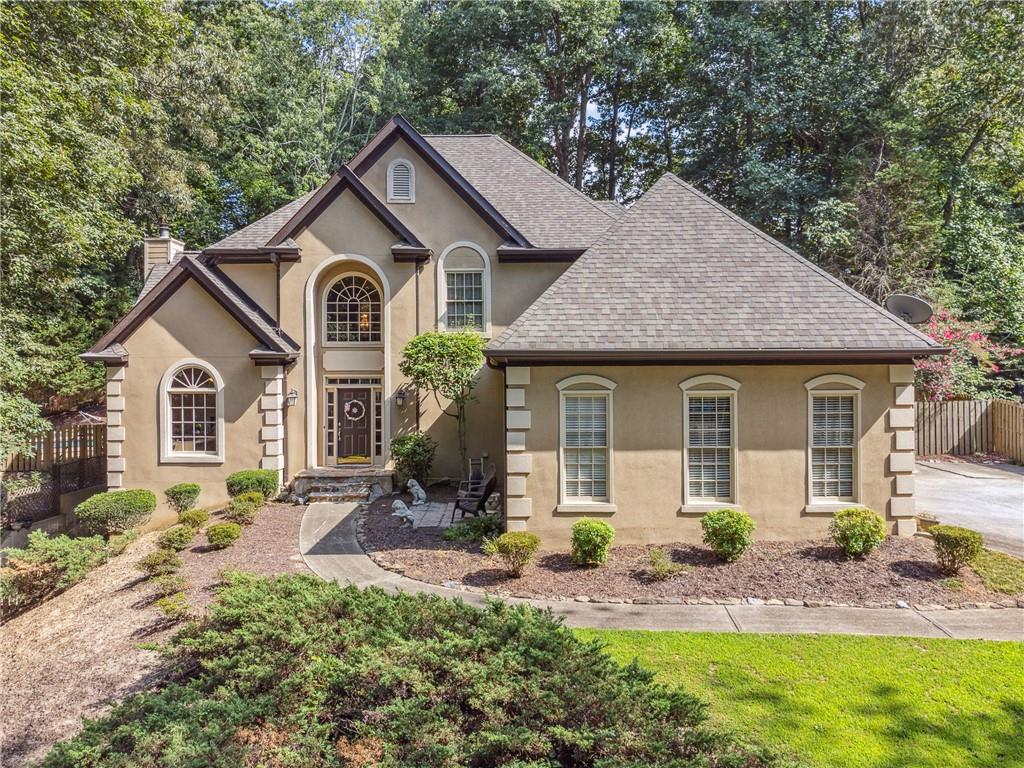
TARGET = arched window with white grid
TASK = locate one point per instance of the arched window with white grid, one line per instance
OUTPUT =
(352, 311)
(192, 413)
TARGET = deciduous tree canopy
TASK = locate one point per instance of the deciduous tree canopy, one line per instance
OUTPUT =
(885, 141)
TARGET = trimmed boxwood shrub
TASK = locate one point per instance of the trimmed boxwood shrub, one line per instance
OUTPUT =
(116, 511)
(327, 682)
(857, 531)
(242, 511)
(194, 518)
(591, 540)
(176, 537)
(516, 549)
(728, 533)
(160, 562)
(182, 496)
(955, 546)
(223, 535)
(263, 481)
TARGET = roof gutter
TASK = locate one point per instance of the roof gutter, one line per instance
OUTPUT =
(515, 255)
(703, 356)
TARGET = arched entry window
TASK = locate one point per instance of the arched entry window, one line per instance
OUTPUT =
(352, 311)
(192, 413)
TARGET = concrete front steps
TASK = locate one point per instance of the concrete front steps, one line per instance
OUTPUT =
(343, 484)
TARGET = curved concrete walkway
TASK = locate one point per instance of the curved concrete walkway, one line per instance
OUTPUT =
(327, 541)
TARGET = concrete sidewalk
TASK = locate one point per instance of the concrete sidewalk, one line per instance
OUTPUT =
(327, 541)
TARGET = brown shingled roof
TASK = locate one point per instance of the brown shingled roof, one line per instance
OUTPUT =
(682, 277)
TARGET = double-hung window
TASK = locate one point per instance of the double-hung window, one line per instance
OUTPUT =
(833, 423)
(464, 306)
(464, 288)
(586, 441)
(192, 414)
(709, 440)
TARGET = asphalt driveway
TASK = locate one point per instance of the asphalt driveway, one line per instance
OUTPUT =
(988, 498)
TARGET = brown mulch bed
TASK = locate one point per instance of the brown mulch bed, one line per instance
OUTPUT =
(78, 653)
(901, 569)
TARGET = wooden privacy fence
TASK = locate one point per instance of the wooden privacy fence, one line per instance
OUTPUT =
(966, 427)
(60, 446)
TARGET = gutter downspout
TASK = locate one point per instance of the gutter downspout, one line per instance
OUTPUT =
(418, 268)
(285, 408)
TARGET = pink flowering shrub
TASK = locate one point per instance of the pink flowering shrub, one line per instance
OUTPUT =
(969, 371)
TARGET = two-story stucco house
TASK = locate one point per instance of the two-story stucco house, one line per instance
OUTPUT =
(644, 365)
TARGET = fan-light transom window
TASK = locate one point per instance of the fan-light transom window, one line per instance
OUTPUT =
(833, 445)
(464, 306)
(401, 182)
(352, 312)
(709, 447)
(585, 449)
(192, 400)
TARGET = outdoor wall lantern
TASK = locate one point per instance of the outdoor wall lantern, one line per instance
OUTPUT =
(400, 397)
(293, 397)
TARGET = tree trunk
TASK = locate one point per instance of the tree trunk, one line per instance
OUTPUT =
(581, 126)
(613, 137)
(947, 208)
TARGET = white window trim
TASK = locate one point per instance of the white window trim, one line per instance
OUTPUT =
(718, 386)
(442, 286)
(598, 386)
(323, 316)
(412, 181)
(820, 387)
(167, 454)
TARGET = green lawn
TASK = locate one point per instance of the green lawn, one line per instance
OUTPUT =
(844, 701)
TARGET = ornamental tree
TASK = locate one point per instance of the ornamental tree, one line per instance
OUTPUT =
(969, 371)
(446, 364)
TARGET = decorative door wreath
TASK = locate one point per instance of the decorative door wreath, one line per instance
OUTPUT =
(354, 410)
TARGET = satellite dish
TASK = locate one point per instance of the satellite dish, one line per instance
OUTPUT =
(909, 309)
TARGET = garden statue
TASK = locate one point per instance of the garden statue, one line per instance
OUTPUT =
(419, 496)
(493, 503)
(399, 510)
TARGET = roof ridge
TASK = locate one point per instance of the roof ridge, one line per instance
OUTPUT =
(555, 176)
(794, 255)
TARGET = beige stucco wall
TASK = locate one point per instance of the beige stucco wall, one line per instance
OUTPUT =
(189, 325)
(647, 446)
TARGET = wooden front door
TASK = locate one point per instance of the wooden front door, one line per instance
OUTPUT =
(354, 436)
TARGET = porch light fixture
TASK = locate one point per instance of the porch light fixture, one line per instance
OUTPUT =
(292, 397)
(400, 397)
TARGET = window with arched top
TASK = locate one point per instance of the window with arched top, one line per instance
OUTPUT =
(192, 413)
(833, 440)
(709, 440)
(352, 311)
(464, 288)
(401, 182)
(585, 443)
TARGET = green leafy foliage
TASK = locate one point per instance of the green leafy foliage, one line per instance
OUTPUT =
(116, 511)
(223, 535)
(857, 531)
(182, 497)
(262, 481)
(194, 518)
(515, 548)
(276, 661)
(414, 456)
(663, 567)
(474, 529)
(955, 546)
(1000, 571)
(174, 606)
(176, 538)
(728, 532)
(46, 566)
(170, 583)
(446, 364)
(243, 510)
(591, 540)
(160, 562)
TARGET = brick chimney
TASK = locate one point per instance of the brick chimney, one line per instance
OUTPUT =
(162, 249)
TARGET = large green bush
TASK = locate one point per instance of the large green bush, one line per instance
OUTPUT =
(223, 535)
(414, 456)
(857, 531)
(516, 550)
(298, 671)
(728, 532)
(955, 546)
(116, 511)
(47, 565)
(591, 540)
(264, 481)
(182, 496)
